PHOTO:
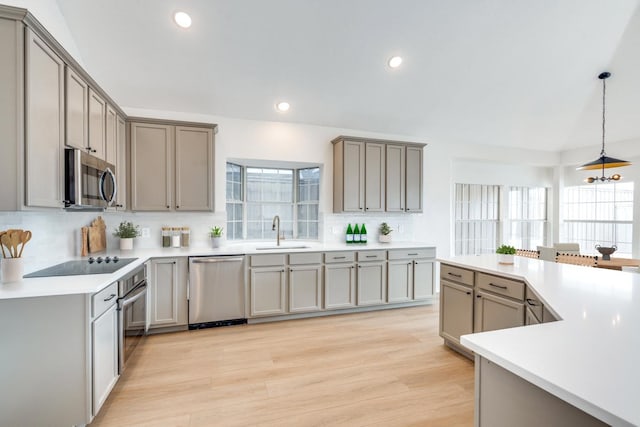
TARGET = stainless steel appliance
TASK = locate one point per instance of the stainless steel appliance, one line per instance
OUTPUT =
(90, 182)
(216, 291)
(132, 314)
(92, 265)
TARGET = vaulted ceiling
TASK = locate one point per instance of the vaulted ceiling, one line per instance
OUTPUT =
(515, 73)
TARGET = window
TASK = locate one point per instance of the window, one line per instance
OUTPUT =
(599, 214)
(526, 217)
(477, 217)
(256, 194)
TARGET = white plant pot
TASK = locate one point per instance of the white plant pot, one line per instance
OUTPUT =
(11, 269)
(126, 244)
(384, 238)
(216, 242)
(505, 259)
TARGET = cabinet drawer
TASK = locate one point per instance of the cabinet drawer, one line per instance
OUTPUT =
(456, 274)
(533, 303)
(306, 258)
(372, 255)
(336, 257)
(500, 285)
(267, 260)
(104, 299)
(412, 253)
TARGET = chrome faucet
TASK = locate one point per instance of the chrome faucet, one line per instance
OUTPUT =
(276, 226)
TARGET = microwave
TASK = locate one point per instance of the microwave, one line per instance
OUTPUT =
(89, 182)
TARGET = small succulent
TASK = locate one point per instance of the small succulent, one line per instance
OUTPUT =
(126, 230)
(506, 250)
(385, 229)
(216, 231)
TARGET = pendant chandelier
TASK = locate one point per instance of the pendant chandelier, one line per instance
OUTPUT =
(603, 162)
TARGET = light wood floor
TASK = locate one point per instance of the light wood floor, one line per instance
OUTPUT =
(384, 368)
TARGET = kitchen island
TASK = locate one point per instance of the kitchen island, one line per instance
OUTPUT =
(588, 358)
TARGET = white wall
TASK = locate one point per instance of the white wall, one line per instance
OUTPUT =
(49, 15)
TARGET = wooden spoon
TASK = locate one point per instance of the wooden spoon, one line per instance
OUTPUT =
(4, 254)
(16, 237)
(25, 236)
(6, 241)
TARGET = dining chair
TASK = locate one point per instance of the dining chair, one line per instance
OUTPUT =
(527, 253)
(585, 260)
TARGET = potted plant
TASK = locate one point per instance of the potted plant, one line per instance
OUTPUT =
(216, 236)
(505, 254)
(126, 231)
(385, 233)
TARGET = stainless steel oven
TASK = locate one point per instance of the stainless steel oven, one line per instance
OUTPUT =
(132, 314)
(90, 182)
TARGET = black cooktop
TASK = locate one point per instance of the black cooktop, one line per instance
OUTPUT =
(97, 265)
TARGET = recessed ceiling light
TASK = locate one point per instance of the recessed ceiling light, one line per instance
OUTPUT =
(182, 19)
(395, 61)
(283, 106)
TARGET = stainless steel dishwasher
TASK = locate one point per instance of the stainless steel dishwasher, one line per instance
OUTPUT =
(216, 291)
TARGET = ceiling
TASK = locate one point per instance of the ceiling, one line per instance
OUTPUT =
(516, 73)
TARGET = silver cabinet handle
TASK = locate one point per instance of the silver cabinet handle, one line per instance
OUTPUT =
(214, 260)
(339, 257)
(112, 296)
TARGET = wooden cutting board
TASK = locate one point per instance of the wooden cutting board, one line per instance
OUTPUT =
(97, 236)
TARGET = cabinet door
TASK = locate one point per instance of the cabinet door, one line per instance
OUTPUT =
(77, 111)
(395, 178)
(151, 167)
(305, 288)
(105, 356)
(111, 135)
(353, 170)
(374, 181)
(456, 311)
(413, 186)
(44, 133)
(268, 291)
(493, 312)
(339, 286)
(194, 169)
(97, 124)
(422, 279)
(400, 279)
(121, 166)
(168, 292)
(372, 283)
(530, 318)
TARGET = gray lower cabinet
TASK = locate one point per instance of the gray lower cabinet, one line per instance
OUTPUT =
(400, 281)
(171, 167)
(530, 318)
(44, 118)
(372, 283)
(268, 289)
(505, 400)
(410, 274)
(456, 310)
(339, 286)
(305, 288)
(423, 279)
(495, 312)
(104, 331)
(168, 305)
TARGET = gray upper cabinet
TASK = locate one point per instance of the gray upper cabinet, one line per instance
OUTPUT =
(371, 175)
(151, 167)
(374, 181)
(414, 179)
(395, 178)
(111, 136)
(44, 132)
(77, 110)
(97, 124)
(171, 167)
(194, 169)
(121, 165)
(348, 181)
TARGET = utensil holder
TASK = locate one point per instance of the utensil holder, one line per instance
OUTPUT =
(12, 269)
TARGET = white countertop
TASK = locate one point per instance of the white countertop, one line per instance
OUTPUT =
(89, 284)
(590, 358)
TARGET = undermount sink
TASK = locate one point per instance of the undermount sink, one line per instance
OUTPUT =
(264, 248)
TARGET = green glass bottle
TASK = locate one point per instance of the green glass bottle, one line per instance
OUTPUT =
(349, 236)
(356, 234)
(363, 234)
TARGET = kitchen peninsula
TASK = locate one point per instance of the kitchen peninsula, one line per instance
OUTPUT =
(588, 358)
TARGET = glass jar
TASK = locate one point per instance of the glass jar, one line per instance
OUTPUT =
(166, 237)
(185, 235)
(175, 237)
